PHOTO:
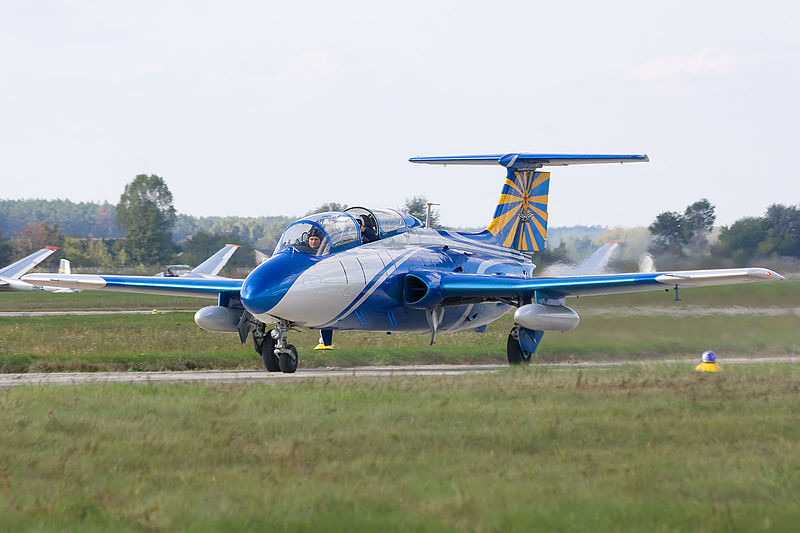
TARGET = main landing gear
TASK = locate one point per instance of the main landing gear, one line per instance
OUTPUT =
(277, 354)
(522, 344)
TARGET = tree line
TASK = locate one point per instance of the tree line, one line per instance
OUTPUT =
(142, 229)
(691, 234)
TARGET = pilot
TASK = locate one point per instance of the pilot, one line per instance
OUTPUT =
(367, 233)
(311, 242)
(314, 240)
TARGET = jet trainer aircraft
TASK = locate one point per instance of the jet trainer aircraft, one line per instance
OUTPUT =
(409, 278)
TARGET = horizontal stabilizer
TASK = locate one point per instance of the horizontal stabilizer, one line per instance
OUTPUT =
(522, 161)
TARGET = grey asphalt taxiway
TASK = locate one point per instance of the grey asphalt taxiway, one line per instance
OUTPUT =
(260, 376)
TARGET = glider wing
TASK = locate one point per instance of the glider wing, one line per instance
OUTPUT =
(18, 268)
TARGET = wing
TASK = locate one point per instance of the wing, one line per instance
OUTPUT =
(202, 287)
(425, 288)
(15, 270)
(212, 265)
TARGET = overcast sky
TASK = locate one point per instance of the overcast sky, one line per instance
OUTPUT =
(263, 108)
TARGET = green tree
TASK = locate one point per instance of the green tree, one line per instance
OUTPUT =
(146, 215)
(418, 206)
(784, 229)
(6, 251)
(667, 231)
(698, 221)
(121, 257)
(37, 236)
(101, 254)
(330, 206)
(74, 219)
(202, 245)
(741, 240)
(74, 250)
(679, 233)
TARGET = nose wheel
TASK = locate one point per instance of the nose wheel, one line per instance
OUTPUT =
(287, 360)
(278, 356)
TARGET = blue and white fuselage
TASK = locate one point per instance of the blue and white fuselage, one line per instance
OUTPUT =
(362, 288)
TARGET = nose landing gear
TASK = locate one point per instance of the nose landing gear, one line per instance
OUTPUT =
(278, 356)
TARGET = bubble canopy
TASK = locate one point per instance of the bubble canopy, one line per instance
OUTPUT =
(325, 233)
(334, 231)
(384, 221)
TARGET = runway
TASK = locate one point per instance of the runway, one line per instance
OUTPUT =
(87, 313)
(649, 310)
(259, 376)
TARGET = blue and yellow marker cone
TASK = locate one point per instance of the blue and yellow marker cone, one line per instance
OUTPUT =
(325, 340)
(708, 363)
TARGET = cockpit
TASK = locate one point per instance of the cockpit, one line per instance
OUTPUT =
(324, 233)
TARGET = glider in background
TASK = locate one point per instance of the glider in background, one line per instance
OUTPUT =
(207, 269)
(381, 270)
(10, 275)
(597, 263)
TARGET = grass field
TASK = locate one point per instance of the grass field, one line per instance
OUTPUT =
(646, 449)
(95, 300)
(607, 331)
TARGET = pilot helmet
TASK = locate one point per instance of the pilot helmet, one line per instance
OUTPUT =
(709, 357)
(314, 232)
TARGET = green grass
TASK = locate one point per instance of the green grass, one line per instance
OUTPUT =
(95, 300)
(644, 449)
(767, 294)
(173, 341)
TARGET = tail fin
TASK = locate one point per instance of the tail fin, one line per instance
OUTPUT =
(215, 263)
(64, 267)
(520, 219)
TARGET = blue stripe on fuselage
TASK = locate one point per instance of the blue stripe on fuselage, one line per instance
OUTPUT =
(369, 287)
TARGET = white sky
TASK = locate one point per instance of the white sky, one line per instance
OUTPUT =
(262, 108)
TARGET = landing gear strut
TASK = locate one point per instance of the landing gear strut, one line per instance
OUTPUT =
(265, 346)
(522, 344)
(286, 353)
(278, 356)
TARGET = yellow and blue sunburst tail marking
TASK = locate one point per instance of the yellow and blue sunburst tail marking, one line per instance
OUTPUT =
(520, 219)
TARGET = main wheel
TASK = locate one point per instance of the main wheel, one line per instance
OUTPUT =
(514, 351)
(288, 360)
(268, 354)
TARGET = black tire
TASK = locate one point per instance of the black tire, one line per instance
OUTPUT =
(288, 360)
(268, 354)
(514, 352)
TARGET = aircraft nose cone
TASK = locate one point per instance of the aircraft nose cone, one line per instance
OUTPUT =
(269, 282)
